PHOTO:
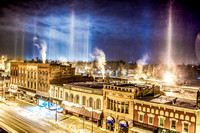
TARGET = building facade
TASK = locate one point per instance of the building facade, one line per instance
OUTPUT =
(165, 115)
(4, 86)
(118, 107)
(31, 81)
(83, 99)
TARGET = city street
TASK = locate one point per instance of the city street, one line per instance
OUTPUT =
(22, 116)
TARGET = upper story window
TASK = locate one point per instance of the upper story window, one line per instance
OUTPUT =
(83, 100)
(140, 117)
(61, 94)
(161, 121)
(98, 104)
(151, 119)
(173, 124)
(66, 96)
(185, 127)
(56, 93)
(91, 101)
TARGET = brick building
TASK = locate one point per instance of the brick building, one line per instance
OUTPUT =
(31, 81)
(165, 115)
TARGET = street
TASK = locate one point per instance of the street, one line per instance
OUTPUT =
(22, 116)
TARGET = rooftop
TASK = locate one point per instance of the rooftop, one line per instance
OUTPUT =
(166, 100)
(93, 85)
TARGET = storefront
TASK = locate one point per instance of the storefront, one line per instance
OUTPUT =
(43, 103)
(55, 103)
(123, 126)
(110, 123)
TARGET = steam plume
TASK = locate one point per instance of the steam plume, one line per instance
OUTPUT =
(42, 47)
(99, 55)
(140, 64)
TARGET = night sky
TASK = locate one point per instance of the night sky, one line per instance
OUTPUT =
(124, 30)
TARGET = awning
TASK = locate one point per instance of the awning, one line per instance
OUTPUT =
(41, 97)
(110, 119)
(140, 130)
(12, 90)
(123, 123)
(83, 111)
(30, 94)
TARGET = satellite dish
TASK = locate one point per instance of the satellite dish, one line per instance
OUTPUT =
(197, 46)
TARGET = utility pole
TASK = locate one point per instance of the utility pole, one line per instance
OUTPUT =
(3, 89)
(92, 118)
(83, 123)
(56, 112)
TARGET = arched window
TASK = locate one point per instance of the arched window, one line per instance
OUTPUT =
(56, 93)
(39, 75)
(98, 104)
(91, 101)
(66, 96)
(71, 98)
(83, 100)
(46, 76)
(61, 94)
(77, 99)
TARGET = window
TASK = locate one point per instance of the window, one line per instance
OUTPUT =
(56, 93)
(126, 107)
(66, 96)
(122, 107)
(118, 106)
(115, 104)
(91, 101)
(173, 124)
(71, 98)
(150, 120)
(108, 104)
(141, 117)
(161, 121)
(98, 104)
(61, 94)
(84, 100)
(185, 127)
(77, 99)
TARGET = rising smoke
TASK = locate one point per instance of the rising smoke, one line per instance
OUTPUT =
(99, 55)
(42, 47)
(140, 63)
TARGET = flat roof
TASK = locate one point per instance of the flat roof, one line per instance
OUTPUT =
(93, 85)
(166, 100)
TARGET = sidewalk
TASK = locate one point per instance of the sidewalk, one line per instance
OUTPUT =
(67, 122)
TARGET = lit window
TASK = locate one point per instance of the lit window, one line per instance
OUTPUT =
(60, 94)
(185, 127)
(150, 120)
(173, 124)
(161, 122)
(141, 117)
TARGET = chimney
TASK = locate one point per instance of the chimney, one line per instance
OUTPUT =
(174, 101)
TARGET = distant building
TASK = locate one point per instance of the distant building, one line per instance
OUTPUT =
(4, 86)
(31, 81)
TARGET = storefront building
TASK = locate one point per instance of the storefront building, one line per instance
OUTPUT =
(31, 81)
(165, 115)
(83, 99)
(118, 107)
